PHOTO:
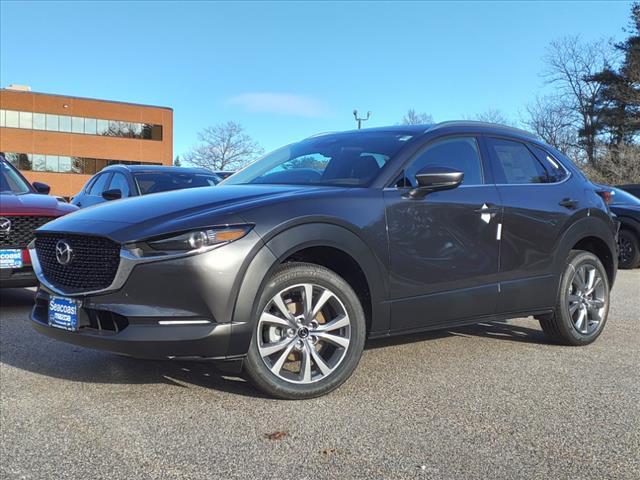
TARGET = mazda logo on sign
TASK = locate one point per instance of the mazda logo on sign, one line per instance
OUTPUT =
(64, 252)
(5, 225)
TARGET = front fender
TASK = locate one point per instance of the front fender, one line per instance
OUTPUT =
(280, 247)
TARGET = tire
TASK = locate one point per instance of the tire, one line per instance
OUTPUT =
(289, 335)
(564, 325)
(629, 246)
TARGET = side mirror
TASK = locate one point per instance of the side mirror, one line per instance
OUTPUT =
(113, 194)
(432, 179)
(42, 188)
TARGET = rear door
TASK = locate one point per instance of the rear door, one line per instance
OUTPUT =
(443, 248)
(538, 201)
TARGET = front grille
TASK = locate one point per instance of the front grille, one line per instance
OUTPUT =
(93, 265)
(21, 230)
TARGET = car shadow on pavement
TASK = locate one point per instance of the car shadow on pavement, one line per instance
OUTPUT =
(23, 348)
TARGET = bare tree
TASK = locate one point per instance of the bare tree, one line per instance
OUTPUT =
(493, 116)
(224, 147)
(414, 118)
(571, 66)
(616, 166)
(550, 120)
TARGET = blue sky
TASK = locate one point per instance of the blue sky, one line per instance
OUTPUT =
(288, 70)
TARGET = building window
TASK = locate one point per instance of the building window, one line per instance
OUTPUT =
(64, 164)
(39, 121)
(26, 120)
(52, 122)
(80, 125)
(12, 119)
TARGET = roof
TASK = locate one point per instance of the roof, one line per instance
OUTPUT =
(454, 124)
(157, 168)
(22, 92)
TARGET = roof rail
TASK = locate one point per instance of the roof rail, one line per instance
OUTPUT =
(476, 123)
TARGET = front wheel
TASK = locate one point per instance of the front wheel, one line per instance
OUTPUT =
(309, 335)
(582, 307)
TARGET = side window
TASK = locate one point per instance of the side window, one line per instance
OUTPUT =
(119, 181)
(514, 163)
(100, 185)
(557, 172)
(460, 153)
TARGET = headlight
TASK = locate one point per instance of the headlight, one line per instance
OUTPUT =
(198, 239)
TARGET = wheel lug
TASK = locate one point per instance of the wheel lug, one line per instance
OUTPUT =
(313, 339)
(291, 333)
(299, 345)
(313, 325)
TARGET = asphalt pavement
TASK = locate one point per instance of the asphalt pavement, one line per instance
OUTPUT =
(490, 401)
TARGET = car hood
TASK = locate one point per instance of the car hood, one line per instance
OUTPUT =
(159, 213)
(33, 204)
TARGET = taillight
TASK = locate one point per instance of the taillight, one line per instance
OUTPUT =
(607, 196)
(26, 257)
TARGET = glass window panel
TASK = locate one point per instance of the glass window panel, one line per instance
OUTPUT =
(12, 158)
(24, 161)
(53, 122)
(2, 117)
(65, 123)
(26, 120)
(52, 163)
(39, 121)
(146, 131)
(100, 164)
(39, 163)
(103, 127)
(64, 164)
(90, 126)
(119, 181)
(100, 185)
(11, 119)
(136, 130)
(77, 124)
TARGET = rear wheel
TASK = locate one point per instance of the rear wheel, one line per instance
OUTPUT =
(582, 307)
(629, 249)
(310, 333)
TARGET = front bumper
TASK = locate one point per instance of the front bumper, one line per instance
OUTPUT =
(175, 308)
(18, 277)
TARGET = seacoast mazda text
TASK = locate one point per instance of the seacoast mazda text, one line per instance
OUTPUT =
(287, 267)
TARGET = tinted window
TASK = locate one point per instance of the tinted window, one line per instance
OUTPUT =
(460, 153)
(514, 163)
(100, 185)
(345, 159)
(119, 181)
(155, 182)
(556, 172)
(10, 181)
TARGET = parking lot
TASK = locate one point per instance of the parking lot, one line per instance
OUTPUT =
(489, 401)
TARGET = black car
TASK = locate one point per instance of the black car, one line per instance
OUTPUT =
(632, 188)
(627, 210)
(387, 231)
(123, 181)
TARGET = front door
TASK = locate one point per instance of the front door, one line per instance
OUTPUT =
(444, 248)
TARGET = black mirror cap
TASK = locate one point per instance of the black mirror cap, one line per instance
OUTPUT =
(432, 179)
(41, 188)
(113, 194)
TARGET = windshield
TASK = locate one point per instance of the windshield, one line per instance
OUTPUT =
(620, 197)
(154, 182)
(11, 181)
(347, 159)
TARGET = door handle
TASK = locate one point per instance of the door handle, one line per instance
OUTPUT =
(569, 203)
(488, 208)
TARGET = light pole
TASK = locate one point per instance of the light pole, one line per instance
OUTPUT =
(359, 120)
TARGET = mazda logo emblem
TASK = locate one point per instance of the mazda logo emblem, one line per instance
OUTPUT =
(64, 252)
(5, 225)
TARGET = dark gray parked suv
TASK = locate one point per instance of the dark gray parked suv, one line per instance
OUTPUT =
(287, 267)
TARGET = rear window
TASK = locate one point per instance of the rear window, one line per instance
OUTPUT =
(155, 182)
(556, 172)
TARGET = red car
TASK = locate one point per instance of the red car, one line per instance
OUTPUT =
(23, 208)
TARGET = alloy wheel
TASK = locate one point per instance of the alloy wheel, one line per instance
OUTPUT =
(303, 333)
(586, 300)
